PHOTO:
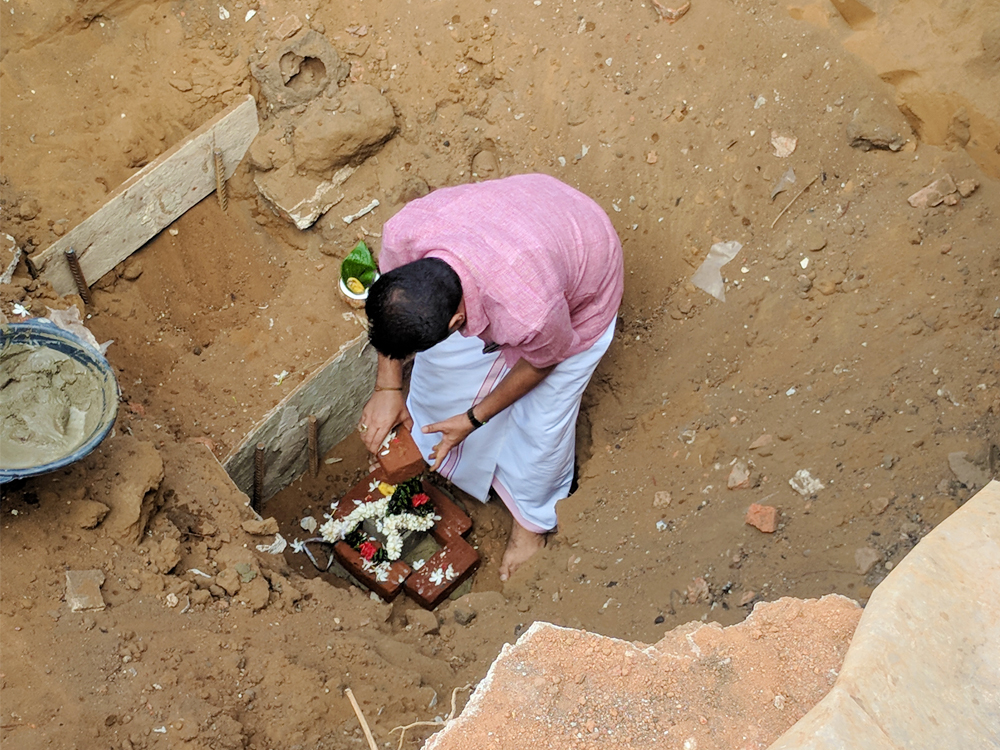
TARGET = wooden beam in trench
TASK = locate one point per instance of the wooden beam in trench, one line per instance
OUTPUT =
(335, 394)
(152, 199)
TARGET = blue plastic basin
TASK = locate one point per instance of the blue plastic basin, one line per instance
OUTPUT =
(40, 332)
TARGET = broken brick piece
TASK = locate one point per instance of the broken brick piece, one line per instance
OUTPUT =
(351, 559)
(402, 459)
(763, 517)
(442, 573)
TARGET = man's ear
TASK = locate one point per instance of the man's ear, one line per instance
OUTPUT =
(456, 322)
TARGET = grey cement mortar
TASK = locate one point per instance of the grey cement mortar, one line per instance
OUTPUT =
(49, 405)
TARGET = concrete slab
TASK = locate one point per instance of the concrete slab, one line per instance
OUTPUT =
(924, 664)
(701, 686)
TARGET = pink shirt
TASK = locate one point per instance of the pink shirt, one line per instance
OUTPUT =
(540, 262)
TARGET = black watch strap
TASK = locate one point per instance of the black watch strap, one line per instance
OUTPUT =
(476, 424)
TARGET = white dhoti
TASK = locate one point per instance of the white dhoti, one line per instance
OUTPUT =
(526, 451)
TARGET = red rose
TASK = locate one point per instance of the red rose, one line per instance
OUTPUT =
(419, 499)
(367, 550)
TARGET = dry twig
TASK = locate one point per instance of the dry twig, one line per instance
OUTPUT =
(361, 719)
(793, 201)
(436, 722)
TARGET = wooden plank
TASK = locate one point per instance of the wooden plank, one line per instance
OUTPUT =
(335, 394)
(152, 199)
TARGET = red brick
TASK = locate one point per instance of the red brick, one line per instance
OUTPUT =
(351, 559)
(454, 523)
(462, 558)
(448, 532)
(358, 492)
(763, 517)
(403, 460)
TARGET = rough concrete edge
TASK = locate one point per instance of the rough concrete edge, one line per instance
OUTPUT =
(472, 707)
(828, 725)
(685, 632)
(335, 394)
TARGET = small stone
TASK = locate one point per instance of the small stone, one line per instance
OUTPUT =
(888, 461)
(739, 477)
(132, 269)
(866, 558)
(878, 505)
(28, 209)
(933, 194)
(254, 593)
(748, 596)
(83, 590)
(422, 622)
(826, 287)
(228, 580)
(763, 445)
(485, 165)
(967, 472)
(813, 239)
(662, 499)
(264, 527)
(287, 27)
(967, 187)
(697, 591)
(762, 517)
(88, 514)
(463, 613)
(245, 572)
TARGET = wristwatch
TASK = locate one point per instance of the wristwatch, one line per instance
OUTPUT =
(476, 424)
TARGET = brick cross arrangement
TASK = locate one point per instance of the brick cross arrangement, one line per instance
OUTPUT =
(447, 568)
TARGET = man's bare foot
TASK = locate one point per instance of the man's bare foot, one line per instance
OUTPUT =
(520, 547)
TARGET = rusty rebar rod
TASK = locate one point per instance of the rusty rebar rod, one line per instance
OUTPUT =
(313, 445)
(257, 501)
(220, 180)
(78, 277)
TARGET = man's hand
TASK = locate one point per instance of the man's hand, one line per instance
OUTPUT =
(453, 431)
(384, 410)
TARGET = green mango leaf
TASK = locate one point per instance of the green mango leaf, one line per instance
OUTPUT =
(359, 264)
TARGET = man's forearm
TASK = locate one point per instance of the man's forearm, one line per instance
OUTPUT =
(389, 376)
(522, 378)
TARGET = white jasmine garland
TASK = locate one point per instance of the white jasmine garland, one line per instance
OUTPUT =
(390, 526)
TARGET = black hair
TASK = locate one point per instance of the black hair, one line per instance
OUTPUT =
(410, 307)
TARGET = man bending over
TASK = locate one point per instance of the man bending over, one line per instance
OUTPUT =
(528, 271)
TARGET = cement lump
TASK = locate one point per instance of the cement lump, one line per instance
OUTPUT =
(298, 70)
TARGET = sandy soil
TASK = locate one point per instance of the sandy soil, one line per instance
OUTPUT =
(859, 332)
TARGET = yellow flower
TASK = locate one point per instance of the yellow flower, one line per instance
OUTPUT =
(386, 489)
